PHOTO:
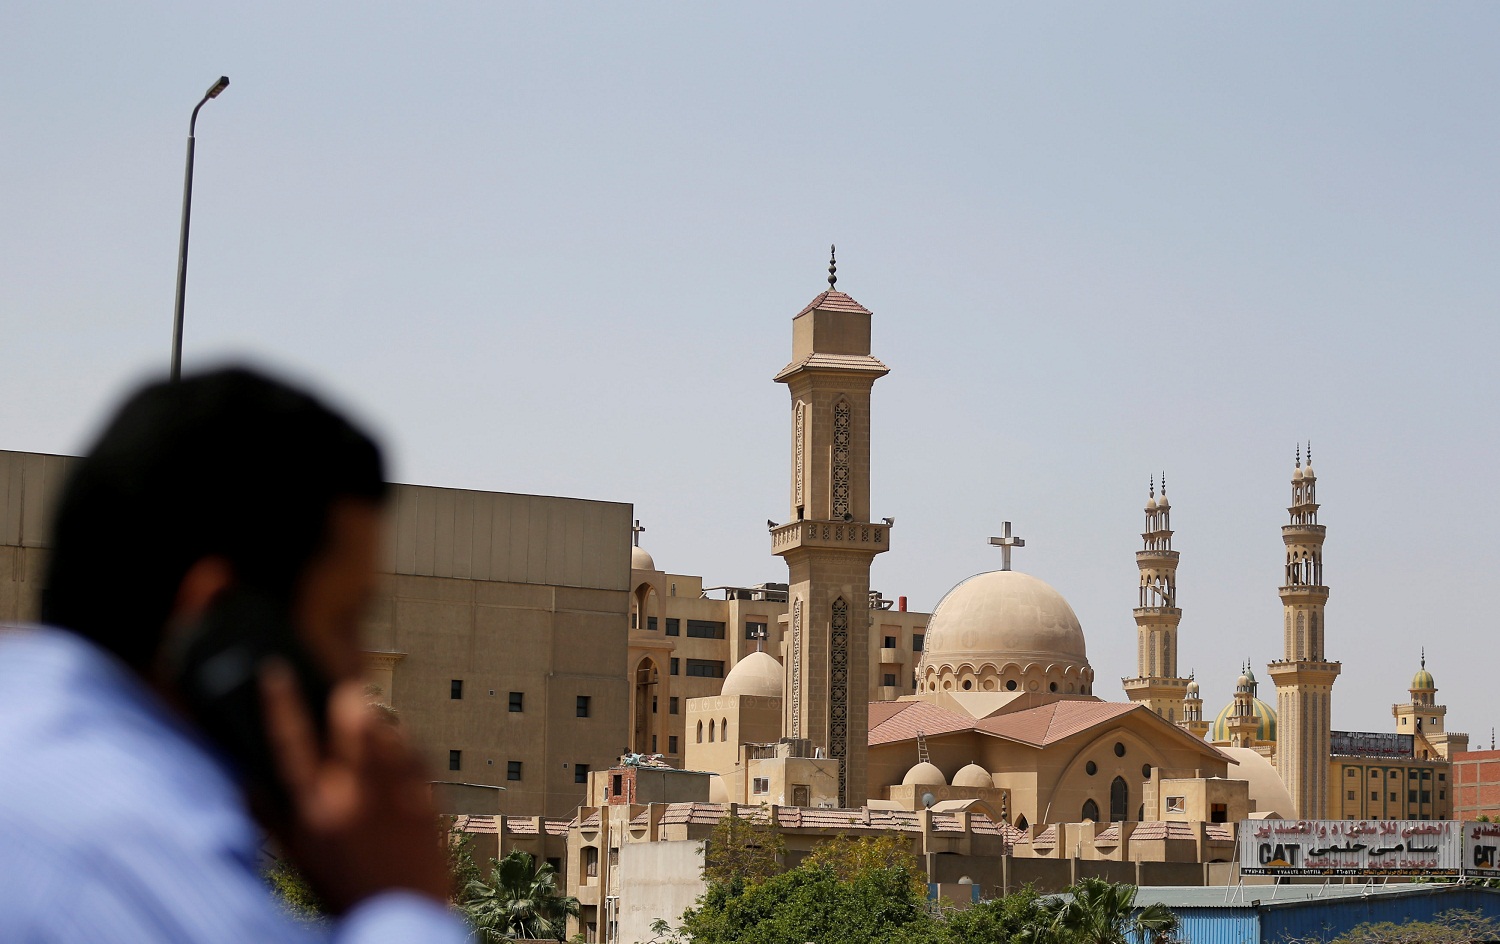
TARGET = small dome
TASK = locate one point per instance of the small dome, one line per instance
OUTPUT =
(1307, 472)
(1264, 713)
(1422, 681)
(1297, 474)
(757, 674)
(973, 775)
(1192, 689)
(1162, 501)
(1151, 504)
(922, 775)
(1243, 681)
(640, 560)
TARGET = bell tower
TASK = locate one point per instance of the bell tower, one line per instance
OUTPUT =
(828, 542)
(1304, 678)
(1157, 684)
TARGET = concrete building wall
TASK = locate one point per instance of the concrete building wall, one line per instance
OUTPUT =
(666, 879)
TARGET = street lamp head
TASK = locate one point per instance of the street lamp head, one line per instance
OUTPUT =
(218, 87)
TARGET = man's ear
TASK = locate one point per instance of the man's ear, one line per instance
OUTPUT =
(201, 585)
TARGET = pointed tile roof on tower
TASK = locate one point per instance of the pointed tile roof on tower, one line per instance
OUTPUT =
(833, 300)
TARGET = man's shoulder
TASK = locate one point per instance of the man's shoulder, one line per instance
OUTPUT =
(85, 754)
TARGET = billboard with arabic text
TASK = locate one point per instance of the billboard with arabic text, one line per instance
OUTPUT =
(1353, 847)
(1482, 849)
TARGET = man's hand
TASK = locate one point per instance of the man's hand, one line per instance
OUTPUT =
(361, 818)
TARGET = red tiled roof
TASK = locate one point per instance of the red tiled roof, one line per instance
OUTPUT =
(840, 820)
(1052, 723)
(881, 710)
(475, 824)
(834, 301)
(913, 716)
(1047, 837)
(1110, 836)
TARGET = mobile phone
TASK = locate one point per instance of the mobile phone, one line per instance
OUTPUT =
(218, 666)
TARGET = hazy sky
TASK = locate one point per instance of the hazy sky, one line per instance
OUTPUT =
(556, 248)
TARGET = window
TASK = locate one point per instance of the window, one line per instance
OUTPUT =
(516, 700)
(591, 862)
(580, 773)
(1442, 794)
(1176, 804)
(755, 630)
(674, 626)
(890, 642)
(672, 669)
(917, 641)
(512, 770)
(556, 864)
(1426, 775)
(653, 704)
(673, 705)
(1119, 749)
(1218, 813)
(455, 760)
(1411, 796)
(1351, 794)
(653, 744)
(888, 679)
(704, 668)
(1375, 794)
(1091, 768)
(456, 689)
(700, 732)
(705, 629)
(582, 707)
(760, 785)
(618, 789)
(1393, 798)
(650, 624)
(1352, 772)
(671, 744)
(1374, 773)
(1426, 796)
(1090, 811)
(1442, 776)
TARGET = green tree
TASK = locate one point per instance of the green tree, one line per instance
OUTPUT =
(293, 892)
(851, 857)
(812, 903)
(520, 901)
(743, 850)
(1449, 927)
(1100, 912)
(1021, 916)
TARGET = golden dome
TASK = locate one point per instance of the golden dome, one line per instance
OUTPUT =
(1265, 730)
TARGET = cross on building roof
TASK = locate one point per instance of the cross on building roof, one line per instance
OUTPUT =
(636, 530)
(1005, 542)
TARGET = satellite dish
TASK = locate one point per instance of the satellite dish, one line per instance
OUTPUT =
(965, 880)
(928, 799)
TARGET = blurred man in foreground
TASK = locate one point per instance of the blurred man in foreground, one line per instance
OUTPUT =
(199, 673)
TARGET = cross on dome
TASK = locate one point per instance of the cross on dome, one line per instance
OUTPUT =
(636, 530)
(1005, 542)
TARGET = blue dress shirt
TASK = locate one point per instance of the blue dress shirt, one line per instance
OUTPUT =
(118, 823)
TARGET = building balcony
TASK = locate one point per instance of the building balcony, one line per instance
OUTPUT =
(1157, 555)
(890, 656)
(858, 536)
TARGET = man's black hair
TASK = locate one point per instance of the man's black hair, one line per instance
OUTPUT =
(229, 463)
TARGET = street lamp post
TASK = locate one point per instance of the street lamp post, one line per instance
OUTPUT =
(182, 244)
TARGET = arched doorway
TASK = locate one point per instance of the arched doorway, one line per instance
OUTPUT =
(1119, 799)
(644, 705)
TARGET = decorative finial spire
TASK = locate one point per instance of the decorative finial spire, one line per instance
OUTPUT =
(1424, 657)
(1299, 455)
(1153, 486)
(1164, 483)
(833, 268)
(1309, 452)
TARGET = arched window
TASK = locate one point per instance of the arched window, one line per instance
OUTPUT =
(1119, 799)
(723, 729)
(700, 732)
(1021, 821)
(1312, 636)
(1090, 811)
(1301, 636)
(710, 731)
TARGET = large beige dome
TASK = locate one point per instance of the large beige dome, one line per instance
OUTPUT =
(757, 674)
(973, 775)
(1005, 631)
(924, 774)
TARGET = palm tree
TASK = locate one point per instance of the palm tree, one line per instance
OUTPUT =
(520, 901)
(1101, 912)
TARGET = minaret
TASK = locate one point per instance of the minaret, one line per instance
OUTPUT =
(1157, 684)
(1304, 678)
(829, 542)
(1243, 723)
(1192, 712)
(1425, 718)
